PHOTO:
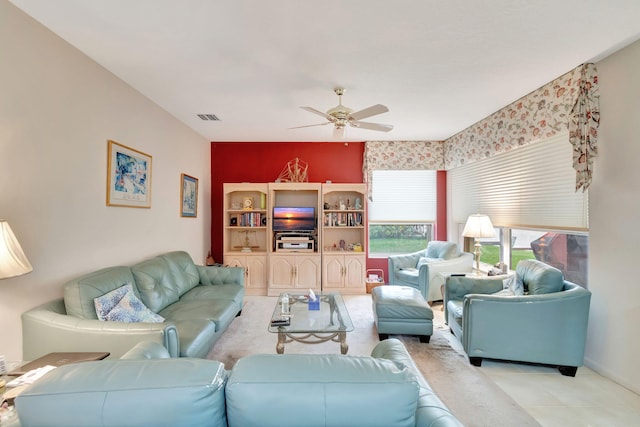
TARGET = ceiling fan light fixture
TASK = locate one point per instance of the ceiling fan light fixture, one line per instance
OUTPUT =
(342, 116)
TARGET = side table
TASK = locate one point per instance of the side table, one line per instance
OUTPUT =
(8, 414)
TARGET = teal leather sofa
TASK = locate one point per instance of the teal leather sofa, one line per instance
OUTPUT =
(547, 324)
(422, 269)
(198, 303)
(146, 388)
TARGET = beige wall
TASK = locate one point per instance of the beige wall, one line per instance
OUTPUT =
(613, 347)
(57, 111)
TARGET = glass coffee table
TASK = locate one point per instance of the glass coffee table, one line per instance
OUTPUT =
(330, 322)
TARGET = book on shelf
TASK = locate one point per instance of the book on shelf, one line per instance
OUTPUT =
(343, 219)
(249, 219)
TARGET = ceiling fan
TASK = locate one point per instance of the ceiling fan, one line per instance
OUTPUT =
(342, 116)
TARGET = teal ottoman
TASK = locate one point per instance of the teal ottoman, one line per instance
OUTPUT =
(401, 310)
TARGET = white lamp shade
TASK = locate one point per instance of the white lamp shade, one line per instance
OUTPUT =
(13, 261)
(478, 226)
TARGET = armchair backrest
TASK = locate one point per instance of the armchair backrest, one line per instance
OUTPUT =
(441, 249)
(539, 278)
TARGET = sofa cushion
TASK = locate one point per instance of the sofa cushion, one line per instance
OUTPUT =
(80, 293)
(539, 278)
(183, 269)
(441, 249)
(408, 275)
(121, 305)
(156, 283)
(320, 390)
(233, 293)
(455, 308)
(218, 311)
(132, 393)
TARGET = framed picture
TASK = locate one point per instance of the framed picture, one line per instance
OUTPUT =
(188, 196)
(128, 177)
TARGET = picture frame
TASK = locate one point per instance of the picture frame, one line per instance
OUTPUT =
(188, 196)
(128, 177)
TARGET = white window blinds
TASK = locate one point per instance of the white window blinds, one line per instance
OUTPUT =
(528, 187)
(403, 196)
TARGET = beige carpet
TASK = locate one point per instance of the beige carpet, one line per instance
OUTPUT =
(468, 393)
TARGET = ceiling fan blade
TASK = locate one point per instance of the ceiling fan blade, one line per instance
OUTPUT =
(368, 112)
(372, 126)
(308, 126)
(318, 112)
(338, 132)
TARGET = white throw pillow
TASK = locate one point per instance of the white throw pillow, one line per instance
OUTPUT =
(512, 284)
(504, 292)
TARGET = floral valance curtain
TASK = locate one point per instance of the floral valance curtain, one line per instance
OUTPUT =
(583, 126)
(568, 102)
(401, 155)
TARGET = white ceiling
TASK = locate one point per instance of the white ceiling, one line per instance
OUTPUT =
(439, 65)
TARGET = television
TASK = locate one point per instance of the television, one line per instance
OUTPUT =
(294, 219)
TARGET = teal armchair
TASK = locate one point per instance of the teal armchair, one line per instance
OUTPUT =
(546, 325)
(424, 269)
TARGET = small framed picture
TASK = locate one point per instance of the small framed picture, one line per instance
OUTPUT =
(128, 177)
(247, 203)
(188, 196)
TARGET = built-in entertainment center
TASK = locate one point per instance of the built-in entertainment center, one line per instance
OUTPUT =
(296, 236)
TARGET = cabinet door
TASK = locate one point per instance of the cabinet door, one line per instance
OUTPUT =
(255, 270)
(308, 272)
(282, 273)
(354, 271)
(333, 271)
(256, 273)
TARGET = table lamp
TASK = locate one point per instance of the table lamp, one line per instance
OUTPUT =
(13, 261)
(478, 226)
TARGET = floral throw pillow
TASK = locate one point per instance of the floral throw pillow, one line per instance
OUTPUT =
(122, 305)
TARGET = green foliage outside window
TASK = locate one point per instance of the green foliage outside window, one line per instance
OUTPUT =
(403, 238)
(491, 255)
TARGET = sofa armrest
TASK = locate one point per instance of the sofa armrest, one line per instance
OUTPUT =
(457, 287)
(548, 328)
(430, 407)
(147, 350)
(47, 328)
(433, 273)
(211, 275)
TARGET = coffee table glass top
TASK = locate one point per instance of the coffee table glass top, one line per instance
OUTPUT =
(331, 317)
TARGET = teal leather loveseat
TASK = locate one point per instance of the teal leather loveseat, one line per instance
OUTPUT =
(539, 317)
(197, 303)
(145, 388)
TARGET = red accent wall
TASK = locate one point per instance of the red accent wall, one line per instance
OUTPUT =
(263, 162)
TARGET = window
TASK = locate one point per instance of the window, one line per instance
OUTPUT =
(568, 252)
(529, 194)
(402, 212)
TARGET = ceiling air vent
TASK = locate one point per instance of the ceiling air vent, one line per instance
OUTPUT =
(208, 117)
